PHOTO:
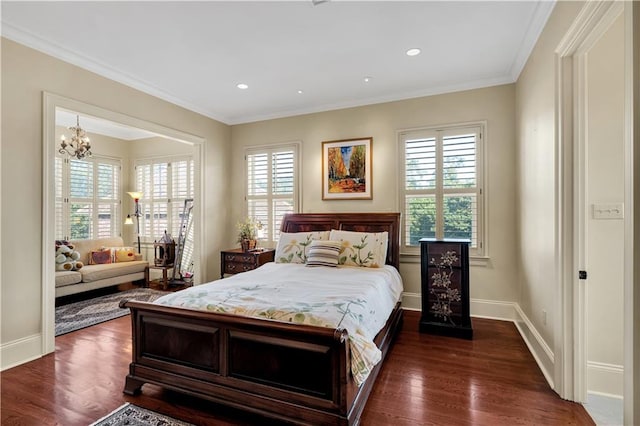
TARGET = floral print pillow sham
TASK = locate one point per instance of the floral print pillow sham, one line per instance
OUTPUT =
(364, 249)
(293, 247)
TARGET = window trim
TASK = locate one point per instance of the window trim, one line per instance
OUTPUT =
(296, 146)
(481, 254)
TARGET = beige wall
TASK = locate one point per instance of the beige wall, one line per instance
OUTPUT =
(535, 115)
(26, 73)
(495, 281)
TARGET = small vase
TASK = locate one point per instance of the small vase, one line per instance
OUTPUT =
(248, 244)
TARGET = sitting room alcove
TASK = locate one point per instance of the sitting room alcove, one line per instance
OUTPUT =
(133, 144)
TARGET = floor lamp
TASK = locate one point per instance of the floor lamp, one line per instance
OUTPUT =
(128, 221)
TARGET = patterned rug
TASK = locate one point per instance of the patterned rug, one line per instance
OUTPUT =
(75, 316)
(132, 415)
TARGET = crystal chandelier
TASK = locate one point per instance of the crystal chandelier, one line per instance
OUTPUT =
(79, 146)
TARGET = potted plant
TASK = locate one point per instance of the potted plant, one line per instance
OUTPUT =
(248, 233)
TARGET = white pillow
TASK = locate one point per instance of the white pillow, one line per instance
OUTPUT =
(365, 249)
(324, 253)
(293, 246)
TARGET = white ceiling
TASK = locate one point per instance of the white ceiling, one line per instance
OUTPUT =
(194, 53)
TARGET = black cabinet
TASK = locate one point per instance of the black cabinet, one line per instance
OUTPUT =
(445, 287)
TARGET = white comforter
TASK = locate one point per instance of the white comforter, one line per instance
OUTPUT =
(359, 300)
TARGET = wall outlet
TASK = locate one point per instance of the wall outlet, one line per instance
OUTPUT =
(544, 317)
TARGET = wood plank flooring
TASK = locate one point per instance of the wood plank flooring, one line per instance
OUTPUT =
(426, 380)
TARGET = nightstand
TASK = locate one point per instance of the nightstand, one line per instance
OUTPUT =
(445, 287)
(234, 261)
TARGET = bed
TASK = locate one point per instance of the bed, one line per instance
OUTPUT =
(260, 365)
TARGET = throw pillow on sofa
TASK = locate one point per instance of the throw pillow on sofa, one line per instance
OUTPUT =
(100, 257)
(121, 254)
(125, 254)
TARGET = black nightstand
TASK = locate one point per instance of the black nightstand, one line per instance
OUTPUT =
(445, 287)
(234, 261)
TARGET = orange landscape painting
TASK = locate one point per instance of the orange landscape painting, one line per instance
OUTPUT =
(346, 168)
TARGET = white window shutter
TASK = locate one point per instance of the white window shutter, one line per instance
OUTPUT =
(272, 189)
(441, 188)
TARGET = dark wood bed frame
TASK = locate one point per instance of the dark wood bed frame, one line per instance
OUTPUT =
(293, 373)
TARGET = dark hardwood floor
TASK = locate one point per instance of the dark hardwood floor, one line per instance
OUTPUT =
(426, 380)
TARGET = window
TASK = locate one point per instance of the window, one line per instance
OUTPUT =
(165, 184)
(272, 188)
(442, 183)
(87, 203)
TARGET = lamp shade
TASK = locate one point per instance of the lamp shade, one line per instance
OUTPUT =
(128, 220)
(135, 195)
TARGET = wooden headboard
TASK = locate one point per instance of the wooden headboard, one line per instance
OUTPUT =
(359, 222)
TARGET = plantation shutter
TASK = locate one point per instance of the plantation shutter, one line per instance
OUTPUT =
(144, 185)
(283, 188)
(87, 197)
(159, 198)
(81, 199)
(460, 206)
(271, 186)
(181, 189)
(108, 199)
(420, 187)
(441, 186)
(165, 184)
(60, 204)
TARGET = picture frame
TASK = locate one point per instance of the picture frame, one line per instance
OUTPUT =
(346, 169)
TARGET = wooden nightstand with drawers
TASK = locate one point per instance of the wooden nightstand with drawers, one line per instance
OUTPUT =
(234, 261)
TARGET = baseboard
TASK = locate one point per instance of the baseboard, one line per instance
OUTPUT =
(412, 301)
(480, 308)
(504, 311)
(493, 309)
(20, 351)
(605, 379)
(541, 352)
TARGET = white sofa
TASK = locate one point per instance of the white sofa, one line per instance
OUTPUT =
(91, 277)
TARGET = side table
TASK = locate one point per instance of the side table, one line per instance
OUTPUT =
(233, 261)
(165, 279)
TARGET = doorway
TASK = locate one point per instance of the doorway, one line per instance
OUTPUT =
(53, 103)
(600, 205)
(592, 107)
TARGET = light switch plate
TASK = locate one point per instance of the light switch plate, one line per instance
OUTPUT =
(608, 211)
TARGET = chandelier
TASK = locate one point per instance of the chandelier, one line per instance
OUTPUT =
(79, 146)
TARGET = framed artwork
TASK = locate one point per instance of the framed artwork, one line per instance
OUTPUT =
(346, 169)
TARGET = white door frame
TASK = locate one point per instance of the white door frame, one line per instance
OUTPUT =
(49, 104)
(570, 342)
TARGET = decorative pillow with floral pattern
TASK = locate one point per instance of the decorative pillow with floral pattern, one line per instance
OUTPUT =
(364, 249)
(293, 247)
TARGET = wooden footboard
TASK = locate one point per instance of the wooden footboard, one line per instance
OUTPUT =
(295, 373)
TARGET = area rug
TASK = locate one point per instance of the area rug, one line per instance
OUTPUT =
(132, 415)
(75, 316)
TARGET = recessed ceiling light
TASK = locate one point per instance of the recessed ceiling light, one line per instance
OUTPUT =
(367, 79)
(300, 92)
(413, 52)
(242, 86)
